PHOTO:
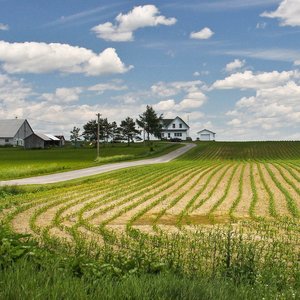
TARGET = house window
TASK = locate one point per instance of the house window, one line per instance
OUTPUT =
(180, 125)
(178, 134)
(169, 135)
(6, 140)
(173, 125)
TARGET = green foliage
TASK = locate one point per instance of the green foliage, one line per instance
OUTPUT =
(150, 122)
(14, 246)
(128, 130)
(75, 136)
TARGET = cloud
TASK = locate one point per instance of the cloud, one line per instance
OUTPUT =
(4, 27)
(271, 110)
(249, 80)
(165, 105)
(126, 24)
(197, 73)
(55, 112)
(102, 87)
(191, 102)
(63, 95)
(203, 34)
(234, 122)
(276, 54)
(288, 12)
(33, 57)
(163, 89)
(234, 65)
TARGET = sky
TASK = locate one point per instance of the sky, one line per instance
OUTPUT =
(229, 66)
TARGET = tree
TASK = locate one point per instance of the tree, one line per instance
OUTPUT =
(90, 131)
(105, 129)
(150, 122)
(75, 136)
(115, 130)
(128, 130)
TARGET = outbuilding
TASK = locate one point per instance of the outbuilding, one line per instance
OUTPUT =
(206, 135)
(14, 131)
(40, 140)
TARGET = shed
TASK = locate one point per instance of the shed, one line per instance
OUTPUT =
(206, 135)
(41, 140)
(62, 140)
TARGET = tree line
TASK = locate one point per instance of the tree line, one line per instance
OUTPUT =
(149, 121)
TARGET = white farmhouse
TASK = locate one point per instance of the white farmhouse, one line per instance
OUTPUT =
(14, 131)
(206, 135)
(174, 128)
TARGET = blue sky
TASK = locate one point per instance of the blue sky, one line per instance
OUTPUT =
(229, 66)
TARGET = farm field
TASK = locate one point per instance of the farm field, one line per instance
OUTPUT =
(20, 163)
(222, 210)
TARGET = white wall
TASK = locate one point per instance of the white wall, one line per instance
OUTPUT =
(3, 142)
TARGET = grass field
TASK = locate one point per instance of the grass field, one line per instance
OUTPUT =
(19, 163)
(224, 215)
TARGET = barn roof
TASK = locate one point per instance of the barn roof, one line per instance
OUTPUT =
(9, 127)
(206, 130)
(52, 137)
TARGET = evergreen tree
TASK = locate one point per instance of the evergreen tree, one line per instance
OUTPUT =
(150, 122)
(128, 130)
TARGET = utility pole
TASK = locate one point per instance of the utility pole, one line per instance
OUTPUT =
(98, 133)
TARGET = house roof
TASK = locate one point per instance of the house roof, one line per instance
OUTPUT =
(9, 127)
(167, 122)
(206, 130)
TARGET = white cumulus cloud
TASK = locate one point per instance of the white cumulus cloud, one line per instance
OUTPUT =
(288, 12)
(63, 95)
(203, 34)
(249, 80)
(234, 65)
(4, 27)
(33, 57)
(126, 24)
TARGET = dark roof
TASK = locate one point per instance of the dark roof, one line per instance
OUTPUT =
(9, 127)
(166, 122)
(206, 130)
(61, 137)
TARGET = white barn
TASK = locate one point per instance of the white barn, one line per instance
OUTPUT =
(174, 128)
(14, 131)
(206, 135)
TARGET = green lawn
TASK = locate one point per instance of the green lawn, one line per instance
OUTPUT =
(19, 163)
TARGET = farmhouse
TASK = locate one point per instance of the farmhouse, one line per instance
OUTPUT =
(174, 128)
(206, 135)
(40, 140)
(14, 131)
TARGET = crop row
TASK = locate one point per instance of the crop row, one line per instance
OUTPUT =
(157, 197)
